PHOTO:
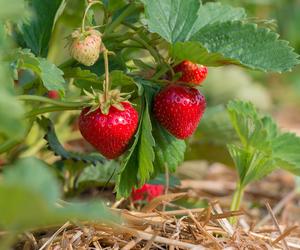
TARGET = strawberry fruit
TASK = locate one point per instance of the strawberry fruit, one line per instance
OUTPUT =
(53, 94)
(179, 109)
(191, 72)
(109, 133)
(86, 47)
(147, 192)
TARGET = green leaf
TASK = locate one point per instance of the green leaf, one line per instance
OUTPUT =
(171, 19)
(196, 52)
(286, 149)
(37, 31)
(169, 151)
(83, 78)
(51, 76)
(21, 174)
(178, 20)
(30, 191)
(146, 141)
(263, 146)
(252, 165)
(137, 165)
(248, 125)
(211, 13)
(251, 46)
(97, 175)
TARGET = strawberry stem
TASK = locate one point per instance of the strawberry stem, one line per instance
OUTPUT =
(106, 86)
(85, 14)
(50, 101)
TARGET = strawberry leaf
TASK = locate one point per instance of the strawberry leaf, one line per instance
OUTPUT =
(178, 20)
(214, 35)
(251, 46)
(263, 146)
(137, 165)
(51, 76)
(286, 148)
(169, 151)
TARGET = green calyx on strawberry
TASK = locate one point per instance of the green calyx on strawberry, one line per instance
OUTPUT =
(178, 109)
(86, 46)
(109, 123)
(103, 102)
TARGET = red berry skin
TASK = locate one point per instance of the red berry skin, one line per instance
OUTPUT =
(179, 109)
(53, 94)
(147, 192)
(110, 134)
(191, 72)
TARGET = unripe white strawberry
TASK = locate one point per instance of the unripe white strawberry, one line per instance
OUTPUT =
(86, 47)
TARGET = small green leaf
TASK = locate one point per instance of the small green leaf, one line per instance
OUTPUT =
(248, 125)
(286, 149)
(83, 78)
(137, 165)
(263, 146)
(146, 142)
(98, 175)
(50, 75)
(169, 151)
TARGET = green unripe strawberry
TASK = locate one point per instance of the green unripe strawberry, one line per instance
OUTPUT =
(86, 47)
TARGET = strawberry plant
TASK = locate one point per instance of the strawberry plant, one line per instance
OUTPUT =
(128, 74)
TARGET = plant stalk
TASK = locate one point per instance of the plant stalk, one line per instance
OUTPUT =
(49, 109)
(50, 101)
(236, 201)
(85, 14)
(106, 85)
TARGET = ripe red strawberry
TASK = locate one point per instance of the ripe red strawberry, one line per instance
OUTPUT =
(147, 192)
(53, 94)
(85, 48)
(110, 134)
(179, 109)
(191, 72)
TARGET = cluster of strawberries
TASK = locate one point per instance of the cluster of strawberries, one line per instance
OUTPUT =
(178, 107)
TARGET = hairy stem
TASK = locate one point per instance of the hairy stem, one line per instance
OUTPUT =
(106, 85)
(50, 101)
(85, 14)
(236, 201)
(49, 109)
